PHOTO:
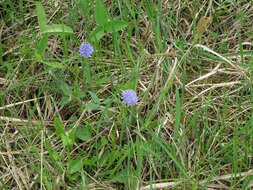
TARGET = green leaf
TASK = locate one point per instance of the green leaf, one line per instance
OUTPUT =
(83, 132)
(60, 131)
(72, 136)
(54, 64)
(38, 56)
(59, 127)
(92, 106)
(1, 53)
(42, 44)
(101, 14)
(78, 92)
(42, 18)
(52, 153)
(65, 100)
(75, 166)
(121, 177)
(251, 66)
(66, 89)
(115, 25)
(97, 34)
(57, 29)
(94, 97)
(41, 47)
(104, 141)
(67, 141)
(84, 5)
(132, 82)
(90, 162)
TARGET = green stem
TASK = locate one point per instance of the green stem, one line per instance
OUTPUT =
(86, 70)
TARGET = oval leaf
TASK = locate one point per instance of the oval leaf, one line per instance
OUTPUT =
(60, 130)
(83, 132)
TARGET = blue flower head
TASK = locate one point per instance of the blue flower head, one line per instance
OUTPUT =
(129, 97)
(86, 49)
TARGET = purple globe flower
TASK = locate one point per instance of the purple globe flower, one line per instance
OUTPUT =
(129, 97)
(86, 49)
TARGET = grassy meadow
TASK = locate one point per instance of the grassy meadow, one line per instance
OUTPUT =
(64, 126)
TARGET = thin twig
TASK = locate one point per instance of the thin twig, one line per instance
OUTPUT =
(18, 103)
(171, 184)
(24, 121)
(218, 55)
(214, 71)
(10, 153)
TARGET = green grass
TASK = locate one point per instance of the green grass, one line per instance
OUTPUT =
(63, 124)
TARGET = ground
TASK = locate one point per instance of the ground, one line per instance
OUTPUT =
(63, 124)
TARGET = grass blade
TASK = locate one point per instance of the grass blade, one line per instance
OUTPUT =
(101, 14)
(42, 18)
(57, 29)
